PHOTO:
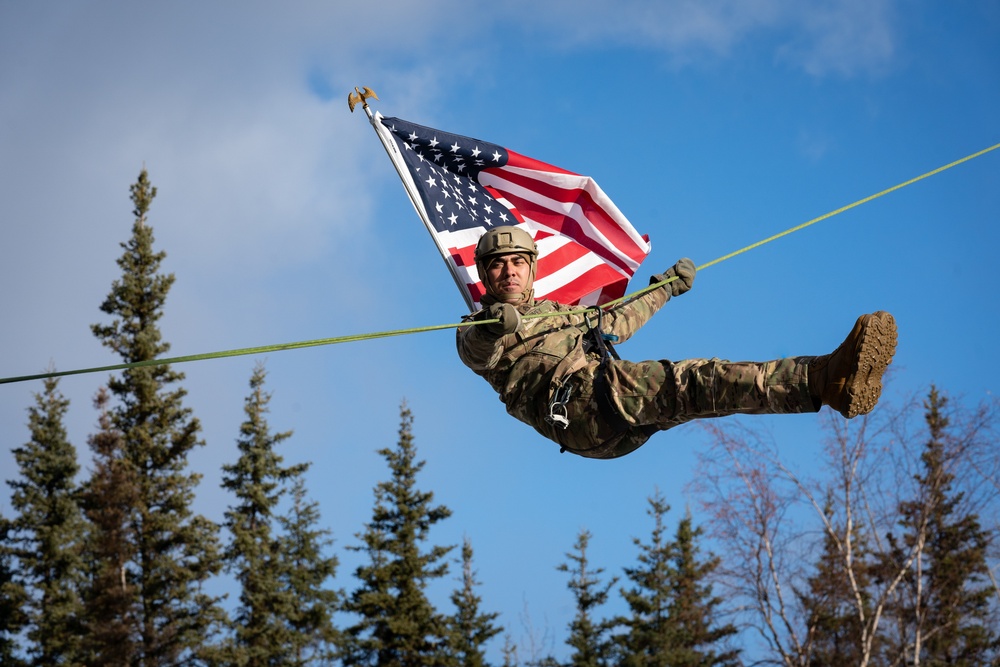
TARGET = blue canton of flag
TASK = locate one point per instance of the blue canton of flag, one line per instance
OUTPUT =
(445, 169)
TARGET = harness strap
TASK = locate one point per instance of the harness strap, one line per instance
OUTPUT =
(604, 345)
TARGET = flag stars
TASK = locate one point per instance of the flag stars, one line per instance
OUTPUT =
(444, 173)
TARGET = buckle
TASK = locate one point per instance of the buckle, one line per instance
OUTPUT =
(558, 414)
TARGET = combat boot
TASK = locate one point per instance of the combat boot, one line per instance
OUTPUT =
(850, 379)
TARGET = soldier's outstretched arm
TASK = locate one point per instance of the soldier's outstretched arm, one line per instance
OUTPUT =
(623, 322)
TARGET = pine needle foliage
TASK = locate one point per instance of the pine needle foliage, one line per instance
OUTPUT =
(837, 632)
(397, 623)
(699, 636)
(284, 614)
(942, 612)
(470, 628)
(175, 552)
(589, 635)
(304, 545)
(13, 601)
(109, 499)
(49, 531)
(647, 638)
(673, 618)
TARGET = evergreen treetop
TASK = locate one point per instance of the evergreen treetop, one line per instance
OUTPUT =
(470, 628)
(49, 532)
(175, 552)
(589, 635)
(943, 611)
(284, 614)
(674, 614)
(397, 623)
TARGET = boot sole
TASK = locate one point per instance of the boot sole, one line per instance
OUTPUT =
(878, 345)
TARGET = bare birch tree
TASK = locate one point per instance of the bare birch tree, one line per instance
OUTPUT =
(787, 529)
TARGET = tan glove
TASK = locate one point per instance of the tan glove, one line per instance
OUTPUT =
(684, 270)
(510, 319)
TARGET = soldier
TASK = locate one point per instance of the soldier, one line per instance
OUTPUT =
(556, 372)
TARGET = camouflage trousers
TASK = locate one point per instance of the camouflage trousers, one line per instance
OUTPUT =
(650, 396)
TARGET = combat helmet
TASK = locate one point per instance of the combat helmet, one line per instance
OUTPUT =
(504, 241)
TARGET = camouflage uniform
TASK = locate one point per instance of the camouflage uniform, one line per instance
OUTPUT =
(548, 357)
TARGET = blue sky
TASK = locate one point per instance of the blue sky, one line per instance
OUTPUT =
(711, 125)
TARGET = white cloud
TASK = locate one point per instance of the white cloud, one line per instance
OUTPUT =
(841, 37)
(844, 38)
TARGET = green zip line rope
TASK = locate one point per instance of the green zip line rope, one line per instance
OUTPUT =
(403, 332)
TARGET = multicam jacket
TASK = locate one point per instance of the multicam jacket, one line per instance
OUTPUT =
(526, 368)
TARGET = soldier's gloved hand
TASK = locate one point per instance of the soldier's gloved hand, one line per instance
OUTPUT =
(684, 270)
(510, 319)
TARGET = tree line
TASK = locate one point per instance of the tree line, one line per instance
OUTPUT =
(885, 559)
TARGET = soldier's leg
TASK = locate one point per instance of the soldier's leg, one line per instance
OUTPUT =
(716, 388)
(665, 394)
(657, 395)
(849, 380)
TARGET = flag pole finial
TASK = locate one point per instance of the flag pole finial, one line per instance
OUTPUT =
(360, 96)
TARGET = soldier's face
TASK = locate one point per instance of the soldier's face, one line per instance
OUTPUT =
(509, 275)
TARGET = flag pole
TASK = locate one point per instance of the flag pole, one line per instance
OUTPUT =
(393, 152)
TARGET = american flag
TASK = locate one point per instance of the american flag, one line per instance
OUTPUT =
(461, 187)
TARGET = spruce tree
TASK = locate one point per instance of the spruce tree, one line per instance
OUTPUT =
(589, 636)
(176, 552)
(284, 615)
(304, 576)
(397, 623)
(837, 629)
(13, 601)
(262, 636)
(111, 631)
(697, 636)
(470, 628)
(647, 637)
(48, 531)
(943, 613)
(673, 614)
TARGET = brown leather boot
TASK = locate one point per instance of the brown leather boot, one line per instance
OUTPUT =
(850, 379)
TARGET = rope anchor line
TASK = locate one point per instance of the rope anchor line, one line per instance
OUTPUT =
(403, 332)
